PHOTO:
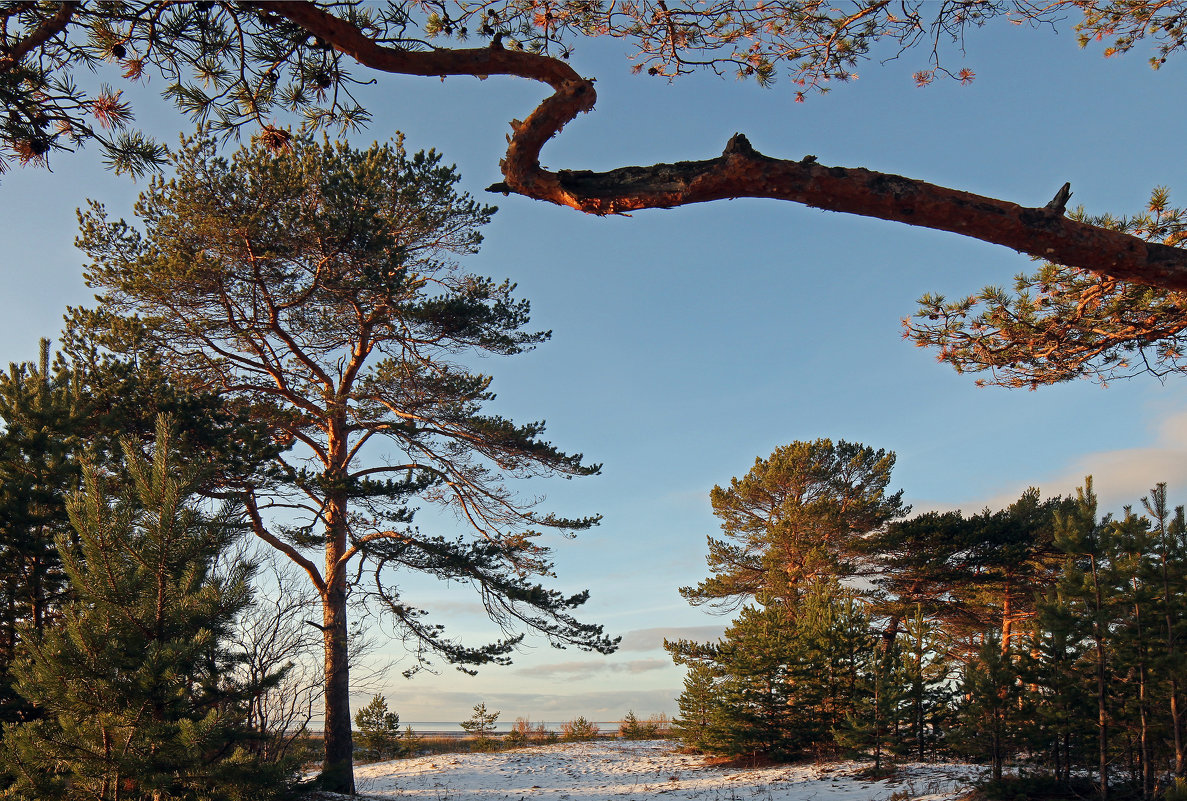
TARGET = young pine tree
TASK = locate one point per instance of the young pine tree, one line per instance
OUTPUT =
(135, 685)
(986, 720)
(1170, 568)
(1058, 703)
(699, 707)
(481, 724)
(1086, 583)
(927, 673)
(42, 410)
(881, 697)
(752, 712)
(378, 735)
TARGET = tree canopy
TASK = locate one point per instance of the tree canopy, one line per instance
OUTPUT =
(1061, 323)
(238, 63)
(796, 516)
(317, 288)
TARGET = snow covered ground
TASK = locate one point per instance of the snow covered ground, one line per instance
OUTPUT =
(617, 770)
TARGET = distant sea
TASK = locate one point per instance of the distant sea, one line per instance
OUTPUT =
(503, 726)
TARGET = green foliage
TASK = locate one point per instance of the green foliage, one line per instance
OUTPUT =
(135, 686)
(1177, 791)
(882, 688)
(799, 513)
(776, 686)
(927, 685)
(1062, 323)
(43, 412)
(60, 412)
(481, 725)
(378, 731)
(579, 729)
(986, 723)
(966, 573)
(699, 707)
(631, 728)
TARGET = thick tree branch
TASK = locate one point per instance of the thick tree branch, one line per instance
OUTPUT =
(742, 172)
(261, 531)
(39, 36)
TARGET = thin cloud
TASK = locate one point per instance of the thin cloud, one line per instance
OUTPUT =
(586, 669)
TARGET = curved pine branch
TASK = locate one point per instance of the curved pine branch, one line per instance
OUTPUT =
(741, 171)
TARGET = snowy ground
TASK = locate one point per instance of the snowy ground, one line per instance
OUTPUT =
(615, 770)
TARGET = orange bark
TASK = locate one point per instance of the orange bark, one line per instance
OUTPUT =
(740, 171)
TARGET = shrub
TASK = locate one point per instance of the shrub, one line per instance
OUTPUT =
(654, 727)
(1043, 785)
(661, 725)
(1177, 791)
(579, 729)
(524, 732)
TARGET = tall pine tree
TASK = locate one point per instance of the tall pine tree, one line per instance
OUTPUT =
(318, 288)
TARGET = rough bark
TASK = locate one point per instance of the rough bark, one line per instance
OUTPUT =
(741, 171)
(338, 768)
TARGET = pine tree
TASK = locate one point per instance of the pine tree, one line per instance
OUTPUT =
(1058, 702)
(58, 412)
(317, 288)
(43, 410)
(775, 685)
(796, 515)
(927, 674)
(877, 705)
(834, 640)
(751, 672)
(1084, 582)
(1133, 633)
(699, 707)
(969, 572)
(481, 725)
(135, 685)
(986, 719)
(378, 730)
(1170, 567)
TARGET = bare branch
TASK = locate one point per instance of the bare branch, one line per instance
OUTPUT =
(743, 172)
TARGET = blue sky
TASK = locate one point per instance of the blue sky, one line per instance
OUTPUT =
(688, 342)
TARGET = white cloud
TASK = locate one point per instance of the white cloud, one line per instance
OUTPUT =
(1119, 477)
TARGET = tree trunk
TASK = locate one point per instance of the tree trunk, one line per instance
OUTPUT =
(338, 767)
(1158, 509)
(1176, 722)
(1143, 706)
(1102, 712)
(1007, 619)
